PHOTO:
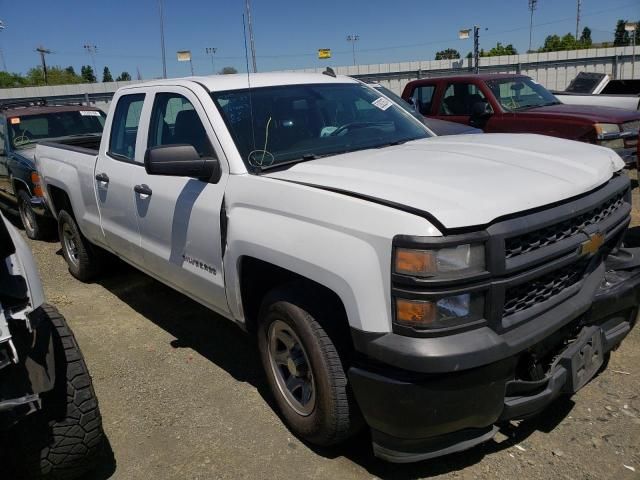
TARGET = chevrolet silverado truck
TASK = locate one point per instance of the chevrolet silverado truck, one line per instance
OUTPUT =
(599, 89)
(22, 125)
(428, 287)
(50, 424)
(510, 103)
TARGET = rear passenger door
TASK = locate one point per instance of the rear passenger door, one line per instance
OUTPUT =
(119, 164)
(456, 104)
(180, 217)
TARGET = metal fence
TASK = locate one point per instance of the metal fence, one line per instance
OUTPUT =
(552, 69)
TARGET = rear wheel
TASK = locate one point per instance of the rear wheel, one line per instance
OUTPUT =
(83, 258)
(36, 227)
(63, 440)
(305, 372)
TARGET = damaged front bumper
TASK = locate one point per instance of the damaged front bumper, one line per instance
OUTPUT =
(417, 412)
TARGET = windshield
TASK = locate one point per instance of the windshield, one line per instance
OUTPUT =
(284, 124)
(521, 93)
(25, 131)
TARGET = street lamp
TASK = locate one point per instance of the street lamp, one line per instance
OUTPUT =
(4, 65)
(353, 39)
(631, 28)
(463, 35)
(164, 57)
(211, 51)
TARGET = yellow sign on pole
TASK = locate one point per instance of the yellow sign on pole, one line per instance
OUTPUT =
(324, 53)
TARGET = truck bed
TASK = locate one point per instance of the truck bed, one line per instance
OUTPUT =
(88, 145)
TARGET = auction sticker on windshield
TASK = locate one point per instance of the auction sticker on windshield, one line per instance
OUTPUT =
(382, 103)
(15, 120)
(89, 113)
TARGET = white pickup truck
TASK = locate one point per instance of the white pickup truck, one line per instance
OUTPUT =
(428, 287)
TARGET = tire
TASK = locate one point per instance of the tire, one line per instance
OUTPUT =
(35, 226)
(63, 440)
(83, 258)
(333, 415)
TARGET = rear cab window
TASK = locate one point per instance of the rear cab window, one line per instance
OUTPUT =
(459, 98)
(124, 129)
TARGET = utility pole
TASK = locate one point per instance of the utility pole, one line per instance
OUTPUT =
(212, 51)
(164, 56)
(43, 51)
(4, 65)
(631, 28)
(92, 50)
(532, 6)
(578, 18)
(353, 38)
(251, 38)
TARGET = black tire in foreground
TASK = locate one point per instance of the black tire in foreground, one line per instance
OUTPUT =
(36, 228)
(83, 258)
(304, 366)
(63, 440)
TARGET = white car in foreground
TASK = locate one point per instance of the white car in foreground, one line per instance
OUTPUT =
(426, 287)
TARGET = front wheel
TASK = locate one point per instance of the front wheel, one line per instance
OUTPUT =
(304, 370)
(64, 439)
(36, 228)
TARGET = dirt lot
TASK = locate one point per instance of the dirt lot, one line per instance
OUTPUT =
(183, 396)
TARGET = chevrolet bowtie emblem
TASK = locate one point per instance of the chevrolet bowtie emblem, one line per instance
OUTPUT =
(591, 246)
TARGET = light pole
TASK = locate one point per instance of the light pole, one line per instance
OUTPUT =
(4, 65)
(251, 38)
(353, 38)
(164, 57)
(532, 6)
(92, 50)
(631, 28)
(212, 51)
(463, 35)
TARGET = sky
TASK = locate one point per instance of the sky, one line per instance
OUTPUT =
(288, 33)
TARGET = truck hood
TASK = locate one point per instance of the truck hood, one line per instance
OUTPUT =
(464, 180)
(589, 113)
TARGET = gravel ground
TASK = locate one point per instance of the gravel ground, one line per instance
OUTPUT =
(182, 396)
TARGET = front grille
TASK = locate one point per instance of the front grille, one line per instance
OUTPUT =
(631, 126)
(552, 234)
(543, 288)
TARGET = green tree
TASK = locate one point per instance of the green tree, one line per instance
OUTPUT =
(106, 75)
(448, 54)
(500, 49)
(585, 39)
(71, 71)
(123, 77)
(621, 36)
(12, 80)
(228, 71)
(55, 76)
(554, 43)
(88, 74)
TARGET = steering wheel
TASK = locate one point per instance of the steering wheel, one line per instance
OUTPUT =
(353, 126)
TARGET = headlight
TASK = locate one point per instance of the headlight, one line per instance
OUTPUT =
(449, 261)
(604, 130)
(442, 313)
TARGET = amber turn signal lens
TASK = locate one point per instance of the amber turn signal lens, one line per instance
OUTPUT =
(418, 314)
(37, 189)
(414, 262)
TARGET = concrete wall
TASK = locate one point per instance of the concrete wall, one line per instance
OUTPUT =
(553, 69)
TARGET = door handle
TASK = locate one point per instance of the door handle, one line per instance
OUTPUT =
(143, 190)
(102, 177)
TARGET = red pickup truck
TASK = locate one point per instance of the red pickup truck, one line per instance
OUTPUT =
(511, 103)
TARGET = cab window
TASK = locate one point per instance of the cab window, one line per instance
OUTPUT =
(174, 121)
(459, 99)
(126, 120)
(423, 97)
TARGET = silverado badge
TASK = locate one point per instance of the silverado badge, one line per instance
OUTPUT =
(591, 246)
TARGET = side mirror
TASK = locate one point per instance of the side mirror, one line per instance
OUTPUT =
(481, 110)
(181, 161)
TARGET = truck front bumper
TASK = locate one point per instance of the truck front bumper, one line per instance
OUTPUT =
(422, 401)
(39, 206)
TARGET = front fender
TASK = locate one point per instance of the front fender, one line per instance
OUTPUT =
(338, 241)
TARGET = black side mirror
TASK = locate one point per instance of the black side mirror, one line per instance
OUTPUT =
(481, 110)
(181, 161)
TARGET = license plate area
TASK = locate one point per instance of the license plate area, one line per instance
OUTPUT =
(583, 358)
